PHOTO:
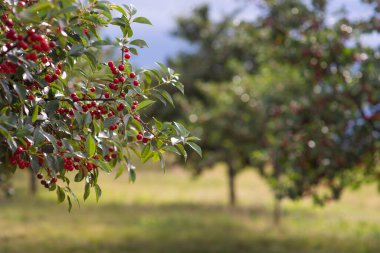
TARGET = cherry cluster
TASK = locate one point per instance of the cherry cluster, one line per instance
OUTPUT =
(47, 183)
(71, 163)
(16, 159)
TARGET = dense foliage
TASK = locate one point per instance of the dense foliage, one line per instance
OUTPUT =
(66, 112)
(289, 93)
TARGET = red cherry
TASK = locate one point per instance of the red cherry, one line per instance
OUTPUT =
(126, 50)
(136, 83)
(111, 149)
(19, 150)
(132, 75)
(54, 180)
(21, 164)
(48, 78)
(127, 56)
(4, 17)
(52, 44)
(21, 4)
(23, 45)
(115, 81)
(44, 59)
(58, 72)
(114, 155)
(89, 166)
(121, 79)
(9, 23)
(40, 176)
(92, 89)
(31, 97)
(145, 140)
(110, 64)
(106, 95)
(121, 67)
(139, 137)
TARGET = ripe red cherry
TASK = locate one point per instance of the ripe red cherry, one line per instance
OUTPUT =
(132, 75)
(106, 95)
(126, 50)
(31, 97)
(145, 140)
(114, 156)
(92, 89)
(48, 78)
(127, 56)
(44, 59)
(120, 107)
(136, 83)
(52, 44)
(116, 81)
(23, 45)
(4, 17)
(54, 180)
(139, 137)
(40, 176)
(111, 149)
(112, 85)
(121, 79)
(9, 23)
(110, 64)
(121, 67)
(90, 166)
(19, 150)
(21, 4)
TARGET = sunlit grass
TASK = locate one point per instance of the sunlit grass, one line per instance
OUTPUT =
(173, 212)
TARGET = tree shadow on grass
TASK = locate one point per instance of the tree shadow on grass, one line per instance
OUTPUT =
(40, 226)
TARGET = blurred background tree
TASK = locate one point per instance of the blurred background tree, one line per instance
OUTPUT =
(286, 93)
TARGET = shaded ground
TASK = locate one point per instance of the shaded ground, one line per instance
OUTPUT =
(173, 213)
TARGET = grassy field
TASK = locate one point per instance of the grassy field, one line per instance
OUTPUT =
(164, 213)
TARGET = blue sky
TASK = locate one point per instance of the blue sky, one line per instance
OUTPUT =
(164, 13)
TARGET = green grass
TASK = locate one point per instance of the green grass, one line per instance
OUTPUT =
(174, 213)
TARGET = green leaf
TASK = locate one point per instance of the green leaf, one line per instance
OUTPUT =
(182, 150)
(144, 104)
(92, 59)
(21, 91)
(139, 43)
(181, 130)
(90, 145)
(167, 97)
(86, 191)
(110, 121)
(119, 172)
(118, 8)
(195, 147)
(142, 20)
(70, 203)
(76, 50)
(98, 192)
(35, 113)
(171, 149)
(132, 175)
(60, 194)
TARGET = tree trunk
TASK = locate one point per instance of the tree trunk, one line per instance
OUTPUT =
(231, 184)
(33, 183)
(277, 211)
